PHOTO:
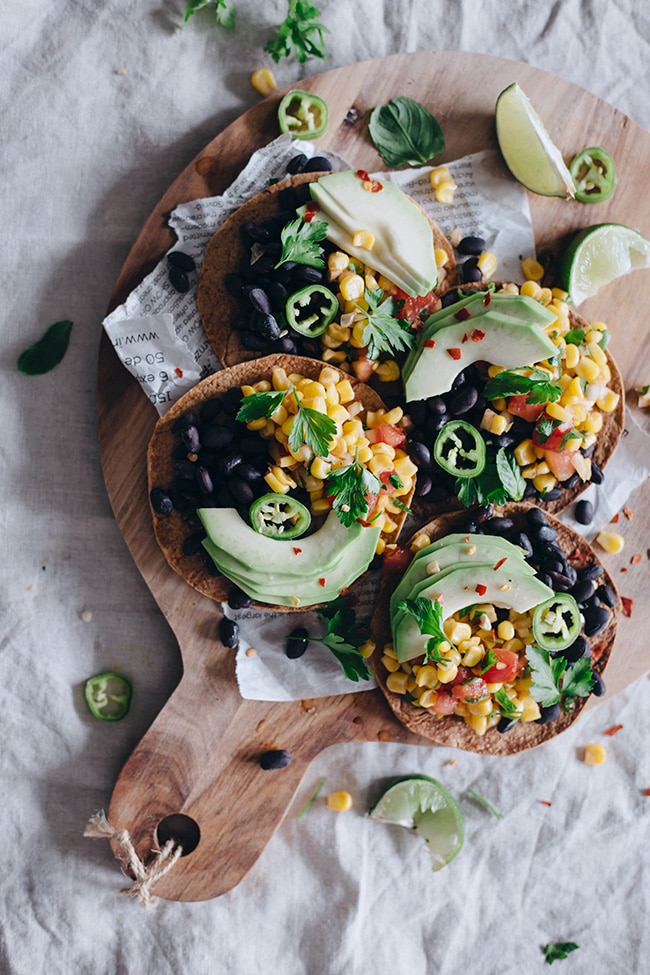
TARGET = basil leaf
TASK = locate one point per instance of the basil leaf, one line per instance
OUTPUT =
(405, 132)
(510, 474)
(47, 352)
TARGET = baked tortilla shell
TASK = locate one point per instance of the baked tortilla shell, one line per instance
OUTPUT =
(453, 731)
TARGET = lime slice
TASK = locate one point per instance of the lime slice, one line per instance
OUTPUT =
(424, 805)
(528, 152)
(598, 255)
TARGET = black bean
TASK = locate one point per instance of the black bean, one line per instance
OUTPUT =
(506, 724)
(450, 298)
(179, 280)
(597, 476)
(319, 164)
(278, 295)
(240, 489)
(303, 194)
(535, 516)
(161, 503)
(459, 380)
(183, 422)
(471, 245)
(423, 484)
(499, 526)
(561, 583)
(229, 463)
(216, 437)
(192, 544)
(238, 599)
(307, 274)
(208, 564)
(435, 422)
(549, 713)
(232, 400)
(228, 633)
(286, 345)
(599, 684)
(553, 495)
(584, 512)
(596, 619)
(523, 541)
(193, 521)
(545, 533)
(203, 479)
(470, 271)
(436, 405)
(484, 514)
(503, 440)
(210, 411)
(181, 260)
(258, 234)
(570, 482)
(463, 400)
(579, 648)
(593, 571)
(420, 454)
(297, 643)
(191, 439)
(253, 342)
(274, 759)
(248, 472)
(259, 300)
(297, 163)
(267, 327)
(606, 595)
(583, 590)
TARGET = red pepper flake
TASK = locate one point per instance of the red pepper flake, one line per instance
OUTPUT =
(179, 372)
(429, 343)
(646, 792)
(629, 514)
(465, 337)
(481, 589)
(311, 209)
(363, 174)
(614, 730)
(627, 605)
(545, 802)
(487, 298)
(296, 550)
(636, 559)
(477, 335)
(455, 353)
(322, 581)
(624, 569)
(500, 562)
(575, 555)
(462, 315)
(374, 186)
(597, 650)
(614, 520)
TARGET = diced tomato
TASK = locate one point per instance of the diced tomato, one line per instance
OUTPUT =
(413, 308)
(387, 433)
(474, 690)
(463, 674)
(505, 669)
(555, 440)
(363, 368)
(385, 478)
(445, 704)
(396, 560)
(518, 406)
(560, 463)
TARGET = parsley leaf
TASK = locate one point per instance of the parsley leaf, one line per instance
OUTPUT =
(300, 30)
(313, 428)
(350, 487)
(507, 707)
(537, 388)
(428, 616)
(578, 681)
(553, 681)
(259, 405)
(558, 950)
(544, 428)
(45, 354)
(485, 488)
(384, 332)
(570, 435)
(223, 9)
(343, 637)
(300, 242)
(575, 336)
(510, 474)
(404, 131)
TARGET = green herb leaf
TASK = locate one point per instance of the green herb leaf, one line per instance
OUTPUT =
(350, 487)
(489, 660)
(575, 336)
(537, 388)
(570, 435)
(428, 616)
(384, 332)
(484, 802)
(313, 428)
(485, 488)
(405, 132)
(223, 9)
(507, 707)
(300, 31)
(310, 802)
(48, 351)
(510, 474)
(300, 242)
(544, 428)
(578, 681)
(545, 689)
(558, 950)
(344, 636)
(259, 405)
(395, 480)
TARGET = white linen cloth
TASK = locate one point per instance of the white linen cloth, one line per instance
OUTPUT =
(104, 104)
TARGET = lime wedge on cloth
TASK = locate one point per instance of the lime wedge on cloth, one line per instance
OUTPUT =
(527, 149)
(598, 255)
(424, 805)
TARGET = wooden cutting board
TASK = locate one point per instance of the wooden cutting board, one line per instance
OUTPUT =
(200, 757)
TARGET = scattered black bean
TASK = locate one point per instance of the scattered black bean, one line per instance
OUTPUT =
(319, 164)
(597, 476)
(297, 163)
(498, 526)
(506, 724)
(216, 437)
(181, 260)
(423, 484)
(553, 495)
(584, 512)
(310, 275)
(583, 590)
(183, 422)
(470, 271)
(241, 490)
(596, 619)
(191, 439)
(178, 279)
(420, 454)
(593, 571)
(297, 643)
(228, 633)
(275, 759)
(535, 516)
(579, 648)
(161, 502)
(210, 410)
(471, 245)
(259, 300)
(463, 400)
(606, 595)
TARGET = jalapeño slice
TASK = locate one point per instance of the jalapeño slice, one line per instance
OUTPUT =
(310, 310)
(302, 114)
(557, 622)
(460, 449)
(279, 516)
(108, 696)
(594, 175)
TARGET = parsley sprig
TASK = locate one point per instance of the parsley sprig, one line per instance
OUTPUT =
(558, 950)
(224, 10)
(344, 636)
(428, 616)
(350, 487)
(500, 481)
(384, 332)
(300, 30)
(553, 681)
(537, 387)
(310, 427)
(301, 242)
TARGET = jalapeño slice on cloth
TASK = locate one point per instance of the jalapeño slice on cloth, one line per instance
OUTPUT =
(302, 114)
(279, 516)
(460, 449)
(310, 310)
(108, 696)
(594, 175)
(557, 622)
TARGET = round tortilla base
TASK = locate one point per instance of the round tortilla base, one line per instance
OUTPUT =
(171, 530)
(453, 731)
(217, 307)
(606, 442)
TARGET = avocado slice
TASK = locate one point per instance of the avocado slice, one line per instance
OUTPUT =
(457, 587)
(403, 250)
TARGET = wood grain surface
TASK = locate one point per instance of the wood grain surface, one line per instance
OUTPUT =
(201, 756)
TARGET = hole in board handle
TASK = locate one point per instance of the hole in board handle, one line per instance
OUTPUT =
(183, 829)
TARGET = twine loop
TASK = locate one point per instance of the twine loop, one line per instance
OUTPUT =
(146, 875)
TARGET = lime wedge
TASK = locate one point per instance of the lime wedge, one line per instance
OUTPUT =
(527, 150)
(598, 255)
(424, 805)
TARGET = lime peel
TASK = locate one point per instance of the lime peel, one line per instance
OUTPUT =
(600, 254)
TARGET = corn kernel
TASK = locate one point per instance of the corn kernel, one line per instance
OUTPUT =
(560, 294)
(392, 666)
(439, 175)
(531, 289)
(473, 656)
(352, 286)
(482, 707)
(337, 263)
(455, 631)
(545, 296)
(558, 412)
(596, 353)
(339, 801)
(263, 81)
(495, 423)
(445, 191)
(387, 372)
(594, 754)
(610, 542)
(487, 264)
(428, 698)
(524, 453)
(505, 630)
(588, 369)
(397, 682)
(531, 710)
(441, 256)
(608, 401)
(477, 722)
(258, 424)
(364, 239)
(531, 269)
(427, 676)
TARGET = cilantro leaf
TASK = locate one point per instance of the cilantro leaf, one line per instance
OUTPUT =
(489, 660)
(510, 474)
(554, 681)
(485, 488)
(428, 616)
(223, 9)
(537, 388)
(578, 681)
(45, 354)
(259, 405)
(544, 428)
(300, 242)
(343, 637)
(404, 131)
(545, 689)
(559, 950)
(384, 332)
(301, 31)
(507, 707)
(313, 428)
(350, 487)
(575, 336)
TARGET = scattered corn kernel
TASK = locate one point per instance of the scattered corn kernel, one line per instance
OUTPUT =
(610, 542)
(445, 191)
(263, 81)
(364, 239)
(531, 269)
(487, 264)
(594, 754)
(339, 801)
